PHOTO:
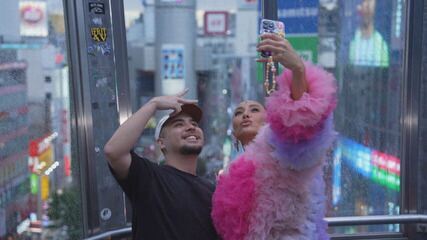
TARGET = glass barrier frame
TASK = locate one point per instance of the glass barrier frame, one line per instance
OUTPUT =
(89, 148)
(416, 11)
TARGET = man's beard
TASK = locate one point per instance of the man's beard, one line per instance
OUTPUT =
(190, 150)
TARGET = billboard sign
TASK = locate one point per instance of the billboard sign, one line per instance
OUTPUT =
(300, 17)
(301, 25)
(33, 17)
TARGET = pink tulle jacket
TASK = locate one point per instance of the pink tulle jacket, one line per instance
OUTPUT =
(275, 189)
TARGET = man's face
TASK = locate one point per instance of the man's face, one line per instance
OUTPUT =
(367, 10)
(181, 134)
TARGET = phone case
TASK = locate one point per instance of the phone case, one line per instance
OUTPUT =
(271, 26)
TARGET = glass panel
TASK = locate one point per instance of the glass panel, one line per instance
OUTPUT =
(365, 166)
(39, 194)
(422, 149)
(360, 41)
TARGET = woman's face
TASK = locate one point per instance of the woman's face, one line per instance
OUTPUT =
(248, 118)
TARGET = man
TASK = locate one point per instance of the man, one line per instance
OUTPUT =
(368, 47)
(168, 201)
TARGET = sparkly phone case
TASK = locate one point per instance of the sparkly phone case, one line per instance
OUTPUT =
(271, 26)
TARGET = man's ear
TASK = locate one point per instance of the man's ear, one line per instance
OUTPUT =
(161, 143)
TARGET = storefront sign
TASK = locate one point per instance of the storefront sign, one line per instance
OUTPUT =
(216, 23)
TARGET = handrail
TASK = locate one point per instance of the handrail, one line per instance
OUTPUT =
(111, 233)
(377, 219)
(332, 222)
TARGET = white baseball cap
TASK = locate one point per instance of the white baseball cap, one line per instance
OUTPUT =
(191, 109)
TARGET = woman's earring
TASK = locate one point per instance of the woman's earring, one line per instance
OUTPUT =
(237, 144)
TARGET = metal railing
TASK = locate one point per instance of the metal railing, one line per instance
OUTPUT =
(112, 233)
(375, 220)
(332, 222)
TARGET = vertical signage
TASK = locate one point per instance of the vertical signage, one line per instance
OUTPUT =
(44, 187)
(172, 68)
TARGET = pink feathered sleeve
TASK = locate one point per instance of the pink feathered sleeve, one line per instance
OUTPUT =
(302, 130)
(298, 120)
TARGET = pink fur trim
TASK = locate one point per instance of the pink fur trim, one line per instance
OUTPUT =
(233, 200)
(296, 120)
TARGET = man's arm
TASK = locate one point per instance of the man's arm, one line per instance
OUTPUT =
(117, 149)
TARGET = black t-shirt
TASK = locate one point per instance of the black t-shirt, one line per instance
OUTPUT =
(167, 203)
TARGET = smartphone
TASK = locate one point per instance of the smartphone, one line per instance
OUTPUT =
(271, 26)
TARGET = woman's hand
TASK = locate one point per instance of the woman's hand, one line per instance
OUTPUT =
(281, 51)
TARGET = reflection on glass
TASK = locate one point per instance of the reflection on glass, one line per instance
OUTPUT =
(365, 165)
(38, 197)
(368, 48)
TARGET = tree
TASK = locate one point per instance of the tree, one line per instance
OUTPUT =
(65, 209)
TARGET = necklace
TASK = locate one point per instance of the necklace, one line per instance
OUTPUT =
(270, 67)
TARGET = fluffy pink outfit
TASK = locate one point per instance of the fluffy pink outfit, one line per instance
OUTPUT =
(275, 189)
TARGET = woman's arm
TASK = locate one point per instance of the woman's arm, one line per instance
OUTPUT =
(299, 113)
(302, 130)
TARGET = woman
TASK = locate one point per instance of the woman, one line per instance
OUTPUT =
(275, 189)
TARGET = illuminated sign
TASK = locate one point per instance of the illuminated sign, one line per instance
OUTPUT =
(67, 166)
(41, 154)
(34, 183)
(380, 167)
(336, 177)
(23, 226)
(44, 187)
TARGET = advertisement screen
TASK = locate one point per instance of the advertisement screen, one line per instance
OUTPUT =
(366, 32)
